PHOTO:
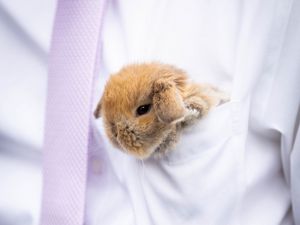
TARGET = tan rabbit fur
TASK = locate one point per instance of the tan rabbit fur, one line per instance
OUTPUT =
(169, 103)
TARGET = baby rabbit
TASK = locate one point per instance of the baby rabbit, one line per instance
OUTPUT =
(145, 107)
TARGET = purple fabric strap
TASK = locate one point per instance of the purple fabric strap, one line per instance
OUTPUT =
(72, 67)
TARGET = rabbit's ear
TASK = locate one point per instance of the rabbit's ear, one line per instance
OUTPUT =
(97, 112)
(167, 101)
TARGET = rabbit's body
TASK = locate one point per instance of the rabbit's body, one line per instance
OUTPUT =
(145, 107)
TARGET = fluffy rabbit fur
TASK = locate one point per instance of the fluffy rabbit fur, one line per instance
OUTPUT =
(145, 106)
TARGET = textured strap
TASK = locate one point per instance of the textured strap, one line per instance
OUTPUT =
(72, 67)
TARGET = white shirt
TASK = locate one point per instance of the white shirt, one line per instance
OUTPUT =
(235, 166)
(25, 34)
(245, 176)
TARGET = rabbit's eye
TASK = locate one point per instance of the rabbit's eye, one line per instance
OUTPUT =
(143, 109)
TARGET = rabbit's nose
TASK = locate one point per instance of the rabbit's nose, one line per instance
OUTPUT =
(124, 130)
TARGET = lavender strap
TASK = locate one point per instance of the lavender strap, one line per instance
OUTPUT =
(72, 67)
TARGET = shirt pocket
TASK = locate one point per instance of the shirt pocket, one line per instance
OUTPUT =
(203, 137)
(199, 180)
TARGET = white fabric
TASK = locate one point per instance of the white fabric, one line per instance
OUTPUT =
(25, 33)
(234, 167)
(249, 48)
(24, 45)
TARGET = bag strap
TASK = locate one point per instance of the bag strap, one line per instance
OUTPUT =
(72, 65)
